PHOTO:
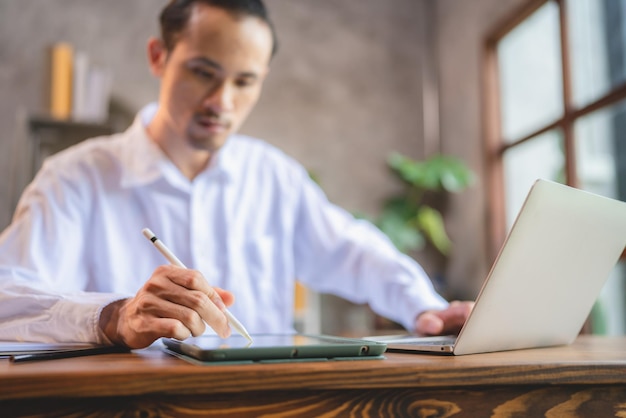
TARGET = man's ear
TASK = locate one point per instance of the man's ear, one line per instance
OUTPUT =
(157, 56)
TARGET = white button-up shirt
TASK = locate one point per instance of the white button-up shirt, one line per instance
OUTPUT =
(252, 223)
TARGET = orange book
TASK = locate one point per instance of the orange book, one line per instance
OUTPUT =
(300, 300)
(62, 57)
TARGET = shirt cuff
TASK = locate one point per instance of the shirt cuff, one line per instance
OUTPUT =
(77, 320)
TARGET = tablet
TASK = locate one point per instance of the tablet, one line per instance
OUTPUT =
(274, 347)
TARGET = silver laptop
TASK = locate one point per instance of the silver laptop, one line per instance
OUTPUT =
(542, 286)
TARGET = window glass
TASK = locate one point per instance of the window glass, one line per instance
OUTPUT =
(600, 157)
(600, 160)
(529, 60)
(608, 313)
(539, 157)
(531, 98)
(597, 47)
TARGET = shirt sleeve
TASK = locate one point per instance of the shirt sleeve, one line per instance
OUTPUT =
(43, 262)
(30, 312)
(351, 258)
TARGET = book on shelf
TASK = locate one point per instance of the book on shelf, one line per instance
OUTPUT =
(79, 85)
(61, 67)
(80, 89)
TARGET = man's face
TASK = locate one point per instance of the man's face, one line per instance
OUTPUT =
(212, 78)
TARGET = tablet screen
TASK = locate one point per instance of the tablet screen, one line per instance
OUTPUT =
(273, 346)
(211, 342)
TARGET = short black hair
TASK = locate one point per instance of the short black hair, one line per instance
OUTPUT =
(175, 16)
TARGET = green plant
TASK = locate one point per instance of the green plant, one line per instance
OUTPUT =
(410, 219)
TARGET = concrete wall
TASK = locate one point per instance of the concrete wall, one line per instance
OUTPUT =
(113, 33)
(347, 88)
(344, 90)
(461, 30)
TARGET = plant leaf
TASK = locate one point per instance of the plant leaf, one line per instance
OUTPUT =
(409, 224)
(439, 172)
(404, 236)
(430, 222)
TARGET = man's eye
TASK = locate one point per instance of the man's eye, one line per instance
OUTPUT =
(244, 82)
(203, 73)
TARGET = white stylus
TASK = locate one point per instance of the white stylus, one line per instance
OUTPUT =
(175, 261)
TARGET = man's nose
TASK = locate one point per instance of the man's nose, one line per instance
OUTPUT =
(220, 98)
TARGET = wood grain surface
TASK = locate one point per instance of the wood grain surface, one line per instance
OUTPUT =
(586, 379)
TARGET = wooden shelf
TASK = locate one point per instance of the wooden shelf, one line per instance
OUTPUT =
(49, 122)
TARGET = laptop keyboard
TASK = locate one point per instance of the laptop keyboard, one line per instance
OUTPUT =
(436, 341)
(445, 340)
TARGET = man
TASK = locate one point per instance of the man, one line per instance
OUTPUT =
(74, 265)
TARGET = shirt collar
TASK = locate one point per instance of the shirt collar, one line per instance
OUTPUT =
(145, 162)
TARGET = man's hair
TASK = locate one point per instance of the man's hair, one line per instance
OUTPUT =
(175, 16)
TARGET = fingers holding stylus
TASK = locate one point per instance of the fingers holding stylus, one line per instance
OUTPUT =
(174, 302)
(191, 282)
(187, 297)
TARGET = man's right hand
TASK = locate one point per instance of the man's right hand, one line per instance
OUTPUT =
(175, 302)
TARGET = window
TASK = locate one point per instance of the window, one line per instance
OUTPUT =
(556, 109)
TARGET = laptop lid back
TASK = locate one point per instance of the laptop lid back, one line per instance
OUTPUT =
(550, 271)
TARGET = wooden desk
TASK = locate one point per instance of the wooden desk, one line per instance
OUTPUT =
(587, 378)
